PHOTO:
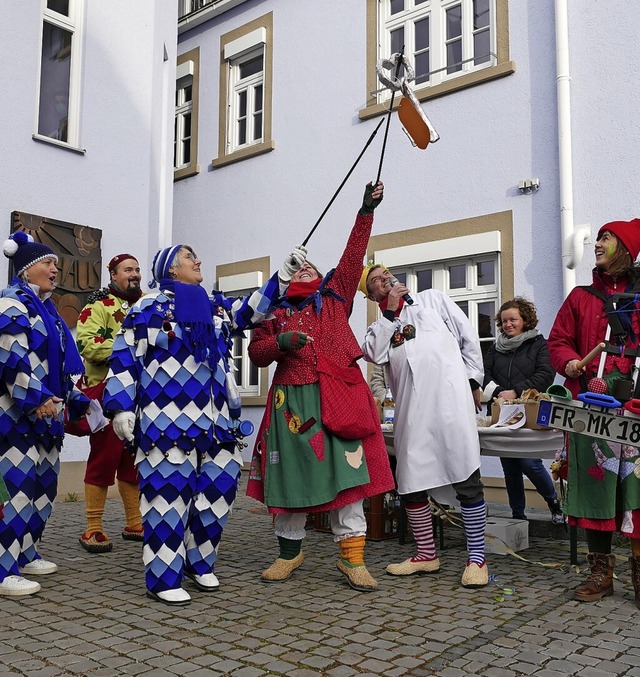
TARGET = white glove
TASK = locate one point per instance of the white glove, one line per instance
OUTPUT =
(123, 425)
(293, 263)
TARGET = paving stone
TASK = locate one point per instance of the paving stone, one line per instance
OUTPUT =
(341, 671)
(96, 621)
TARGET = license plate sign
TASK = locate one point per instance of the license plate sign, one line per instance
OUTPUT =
(591, 421)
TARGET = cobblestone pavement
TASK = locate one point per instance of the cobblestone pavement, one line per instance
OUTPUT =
(92, 617)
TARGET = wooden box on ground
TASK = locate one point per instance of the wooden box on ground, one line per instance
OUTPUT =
(382, 513)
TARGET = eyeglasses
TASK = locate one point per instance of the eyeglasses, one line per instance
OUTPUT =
(190, 257)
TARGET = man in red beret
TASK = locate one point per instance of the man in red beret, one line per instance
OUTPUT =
(98, 324)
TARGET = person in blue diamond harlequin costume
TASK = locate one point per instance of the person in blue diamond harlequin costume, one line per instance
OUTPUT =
(172, 394)
(38, 358)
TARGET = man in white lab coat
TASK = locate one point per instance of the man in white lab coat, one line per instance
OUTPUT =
(435, 372)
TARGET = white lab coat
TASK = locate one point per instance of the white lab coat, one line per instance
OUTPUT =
(435, 435)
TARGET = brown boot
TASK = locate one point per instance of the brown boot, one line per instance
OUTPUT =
(599, 583)
(634, 562)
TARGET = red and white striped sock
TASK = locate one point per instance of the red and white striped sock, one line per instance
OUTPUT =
(421, 523)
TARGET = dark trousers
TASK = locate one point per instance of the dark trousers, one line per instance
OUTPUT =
(533, 468)
(468, 492)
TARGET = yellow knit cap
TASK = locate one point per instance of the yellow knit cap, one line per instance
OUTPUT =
(365, 274)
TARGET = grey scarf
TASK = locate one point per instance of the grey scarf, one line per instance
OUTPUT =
(504, 344)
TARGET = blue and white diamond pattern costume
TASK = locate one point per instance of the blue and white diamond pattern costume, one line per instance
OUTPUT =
(30, 446)
(186, 428)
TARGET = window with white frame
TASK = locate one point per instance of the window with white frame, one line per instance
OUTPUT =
(471, 282)
(452, 44)
(182, 127)
(57, 116)
(185, 138)
(246, 373)
(246, 88)
(189, 7)
(186, 7)
(441, 38)
(237, 280)
(246, 92)
(468, 267)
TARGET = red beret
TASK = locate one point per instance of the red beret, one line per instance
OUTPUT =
(113, 264)
(628, 232)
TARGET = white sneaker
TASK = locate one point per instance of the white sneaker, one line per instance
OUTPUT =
(175, 597)
(15, 586)
(39, 567)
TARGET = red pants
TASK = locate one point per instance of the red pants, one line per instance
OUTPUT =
(108, 457)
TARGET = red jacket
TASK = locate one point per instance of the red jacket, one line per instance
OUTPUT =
(330, 328)
(581, 324)
(333, 337)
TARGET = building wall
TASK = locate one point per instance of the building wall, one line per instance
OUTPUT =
(122, 183)
(492, 136)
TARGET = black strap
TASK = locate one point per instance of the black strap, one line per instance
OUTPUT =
(592, 290)
(618, 332)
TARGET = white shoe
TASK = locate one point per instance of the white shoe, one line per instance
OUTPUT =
(15, 586)
(39, 567)
(206, 582)
(175, 597)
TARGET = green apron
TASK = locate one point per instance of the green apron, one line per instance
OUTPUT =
(4, 494)
(603, 477)
(307, 466)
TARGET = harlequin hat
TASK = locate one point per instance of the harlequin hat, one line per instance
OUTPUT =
(119, 258)
(362, 286)
(24, 251)
(162, 262)
(628, 232)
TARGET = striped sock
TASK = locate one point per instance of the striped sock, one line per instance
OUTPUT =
(421, 523)
(474, 518)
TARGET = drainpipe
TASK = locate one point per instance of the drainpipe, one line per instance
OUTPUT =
(573, 239)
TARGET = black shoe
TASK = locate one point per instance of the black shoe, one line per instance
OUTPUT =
(557, 516)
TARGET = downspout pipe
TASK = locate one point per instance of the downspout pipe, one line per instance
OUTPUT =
(573, 239)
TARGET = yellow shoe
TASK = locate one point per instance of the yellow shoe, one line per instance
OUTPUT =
(358, 576)
(475, 576)
(409, 567)
(281, 569)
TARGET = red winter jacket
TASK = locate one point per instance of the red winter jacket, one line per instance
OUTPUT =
(581, 324)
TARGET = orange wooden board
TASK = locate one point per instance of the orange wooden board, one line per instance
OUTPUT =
(414, 124)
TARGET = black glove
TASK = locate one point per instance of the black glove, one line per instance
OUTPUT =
(369, 203)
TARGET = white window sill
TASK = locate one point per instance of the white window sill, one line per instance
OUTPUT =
(60, 144)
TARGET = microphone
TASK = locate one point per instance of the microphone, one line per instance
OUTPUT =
(407, 299)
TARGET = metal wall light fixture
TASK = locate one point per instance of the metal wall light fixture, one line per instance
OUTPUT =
(528, 186)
